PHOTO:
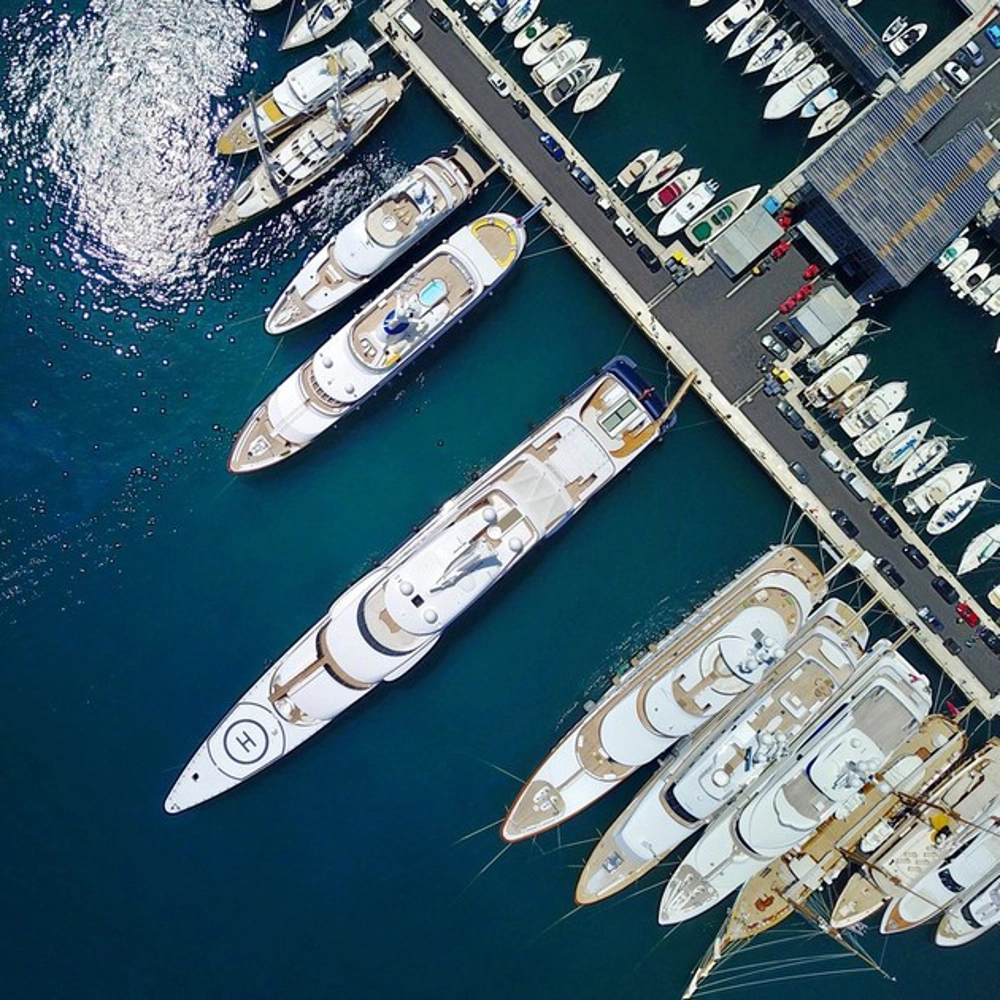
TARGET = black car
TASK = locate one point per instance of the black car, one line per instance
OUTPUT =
(791, 414)
(886, 522)
(945, 589)
(787, 335)
(583, 179)
(440, 18)
(846, 525)
(798, 470)
(991, 639)
(810, 439)
(890, 572)
(932, 621)
(952, 646)
(915, 556)
(649, 258)
(519, 106)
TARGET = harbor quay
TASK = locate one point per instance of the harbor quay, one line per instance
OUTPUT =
(708, 326)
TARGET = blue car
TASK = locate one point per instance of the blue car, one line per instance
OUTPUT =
(993, 34)
(555, 150)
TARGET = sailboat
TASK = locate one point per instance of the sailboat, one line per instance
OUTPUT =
(596, 92)
(896, 451)
(317, 21)
(661, 171)
(839, 347)
(882, 433)
(924, 459)
(956, 508)
(752, 34)
(519, 15)
(794, 61)
(980, 550)
(727, 22)
(769, 51)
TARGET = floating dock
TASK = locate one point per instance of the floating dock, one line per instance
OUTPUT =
(706, 327)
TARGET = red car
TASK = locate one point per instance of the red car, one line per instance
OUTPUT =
(966, 614)
(787, 306)
(812, 271)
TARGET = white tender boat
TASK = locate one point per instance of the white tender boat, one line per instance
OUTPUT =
(722, 760)
(972, 916)
(388, 621)
(952, 252)
(839, 347)
(769, 51)
(520, 13)
(681, 683)
(661, 171)
(542, 47)
(896, 27)
(304, 91)
(900, 448)
(634, 169)
(530, 33)
(910, 37)
(659, 201)
(980, 550)
(317, 21)
(962, 264)
(836, 380)
(381, 233)
(819, 103)
(971, 280)
(687, 208)
(833, 117)
(710, 223)
(924, 460)
(752, 34)
(382, 339)
(956, 508)
(793, 62)
(596, 92)
(980, 295)
(882, 433)
(879, 404)
(858, 732)
(310, 152)
(572, 81)
(796, 92)
(937, 489)
(565, 57)
(726, 23)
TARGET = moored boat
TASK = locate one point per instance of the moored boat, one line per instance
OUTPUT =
(882, 433)
(956, 508)
(634, 169)
(937, 489)
(752, 34)
(833, 117)
(845, 402)
(878, 405)
(839, 347)
(819, 103)
(902, 43)
(793, 62)
(661, 171)
(381, 233)
(952, 251)
(530, 32)
(543, 46)
(972, 916)
(796, 92)
(980, 295)
(564, 57)
(713, 221)
(382, 339)
(520, 13)
(387, 622)
(895, 452)
(659, 201)
(769, 51)
(962, 264)
(980, 550)
(731, 19)
(596, 92)
(895, 28)
(317, 22)
(836, 380)
(687, 208)
(924, 459)
(971, 280)
(572, 81)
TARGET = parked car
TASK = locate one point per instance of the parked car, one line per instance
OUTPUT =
(846, 525)
(812, 271)
(931, 620)
(790, 414)
(440, 18)
(973, 53)
(810, 439)
(798, 470)
(626, 232)
(648, 256)
(554, 149)
(786, 335)
(967, 614)
(832, 460)
(775, 346)
(990, 637)
(915, 556)
(499, 84)
(957, 73)
(945, 589)
(606, 207)
(952, 646)
(520, 107)
(886, 521)
(889, 571)
(583, 179)
(993, 34)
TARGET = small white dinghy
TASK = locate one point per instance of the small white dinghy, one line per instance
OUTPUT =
(634, 169)
(819, 103)
(726, 23)
(952, 252)
(924, 459)
(900, 448)
(596, 92)
(661, 199)
(547, 43)
(956, 508)
(874, 440)
(752, 34)
(980, 550)
(769, 51)
(879, 404)
(832, 118)
(688, 207)
(895, 29)
(793, 62)
(317, 21)
(519, 15)
(904, 42)
(573, 80)
(937, 489)
(661, 171)
(532, 31)
(796, 92)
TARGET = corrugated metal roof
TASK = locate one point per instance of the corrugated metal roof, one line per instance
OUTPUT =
(902, 204)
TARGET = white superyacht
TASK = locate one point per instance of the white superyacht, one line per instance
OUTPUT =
(379, 234)
(387, 621)
(383, 337)
(690, 676)
(857, 734)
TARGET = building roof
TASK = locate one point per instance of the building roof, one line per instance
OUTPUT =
(902, 203)
(746, 240)
(823, 316)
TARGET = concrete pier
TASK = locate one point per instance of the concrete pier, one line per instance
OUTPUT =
(705, 327)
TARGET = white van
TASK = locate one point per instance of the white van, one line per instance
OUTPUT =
(830, 458)
(857, 486)
(410, 25)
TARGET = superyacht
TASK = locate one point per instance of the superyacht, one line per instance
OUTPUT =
(386, 622)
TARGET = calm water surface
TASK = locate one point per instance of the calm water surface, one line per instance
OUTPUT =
(143, 588)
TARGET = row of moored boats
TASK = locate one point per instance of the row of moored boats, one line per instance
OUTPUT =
(971, 277)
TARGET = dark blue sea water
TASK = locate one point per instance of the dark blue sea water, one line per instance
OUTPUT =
(143, 588)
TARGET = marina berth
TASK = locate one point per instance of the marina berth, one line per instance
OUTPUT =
(855, 737)
(785, 885)
(385, 623)
(974, 916)
(873, 441)
(894, 857)
(877, 406)
(769, 51)
(725, 757)
(956, 508)
(381, 233)
(545, 45)
(679, 684)
(310, 152)
(937, 489)
(317, 22)
(304, 91)
(381, 340)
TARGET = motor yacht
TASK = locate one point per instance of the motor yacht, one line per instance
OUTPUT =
(839, 347)
(796, 92)
(832, 118)
(937, 489)
(836, 380)
(687, 208)
(874, 440)
(972, 917)
(635, 168)
(547, 43)
(317, 22)
(519, 14)
(563, 58)
(661, 171)
(572, 81)
(731, 19)
(714, 220)
(659, 201)
(876, 407)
